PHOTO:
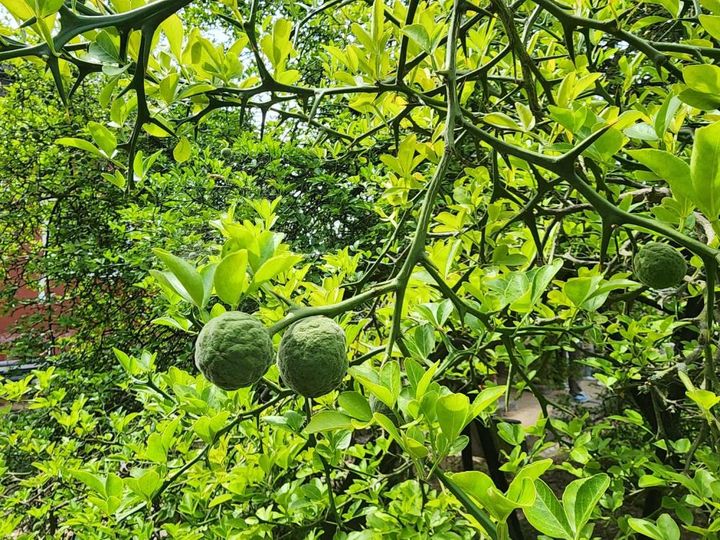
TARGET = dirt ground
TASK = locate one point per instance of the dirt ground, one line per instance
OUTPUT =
(526, 408)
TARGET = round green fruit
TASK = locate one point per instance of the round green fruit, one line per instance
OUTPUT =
(233, 350)
(659, 266)
(312, 357)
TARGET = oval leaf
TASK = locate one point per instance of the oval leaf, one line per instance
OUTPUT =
(231, 277)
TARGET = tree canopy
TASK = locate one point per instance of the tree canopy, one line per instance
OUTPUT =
(463, 186)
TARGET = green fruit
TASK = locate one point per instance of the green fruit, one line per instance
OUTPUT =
(312, 357)
(659, 266)
(233, 350)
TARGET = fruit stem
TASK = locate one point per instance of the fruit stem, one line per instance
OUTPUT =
(332, 510)
(333, 310)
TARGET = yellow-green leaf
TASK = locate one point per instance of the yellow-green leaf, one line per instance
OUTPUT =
(231, 277)
(182, 150)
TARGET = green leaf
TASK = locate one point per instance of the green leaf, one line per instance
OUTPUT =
(502, 256)
(195, 89)
(469, 505)
(47, 7)
(145, 485)
(711, 5)
(609, 143)
(481, 487)
(328, 421)
(668, 167)
(18, 8)
(103, 137)
(547, 514)
(207, 273)
(501, 120)
(207, 427)
(509, 288)
(356, 405)
(173, 29)
(419, 34)
(275, 266)
(665, 115)
(413, 447)
(378, 20)
(217, 310)
(704, 398)
(543, 277)
(672, 6)
(485, 399)
(113, 485)
(117, 179)
(532, 471)
(525, 115)
(421, 342)
(92, 481)
(711, 23)
(189, 281)
(105, 48)
(578, 289)
(81, 144)
(565, 91)
(700, 100)
(452, 412)
(390, 378)
(133, 365)
(278, 47)
(414, 372)
(570, 119)
(705, 169)
(642, 131)
(170, 287)
(156, 131)
(155, 450)
(540, 279)
(703, 78)
(668, 528)
(182, 150)
(607, 287)
(219, 499)
(581, 497)
(648, 480)
(231, 277)
(425, 380)
(168, 433)
(371, 380)
(645, 528)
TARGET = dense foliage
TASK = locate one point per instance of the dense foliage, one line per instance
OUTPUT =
(462, 187)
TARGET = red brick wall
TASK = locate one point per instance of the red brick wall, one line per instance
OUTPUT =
(8, 321)
(26, 293)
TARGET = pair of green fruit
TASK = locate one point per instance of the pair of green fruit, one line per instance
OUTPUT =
(234, 350)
